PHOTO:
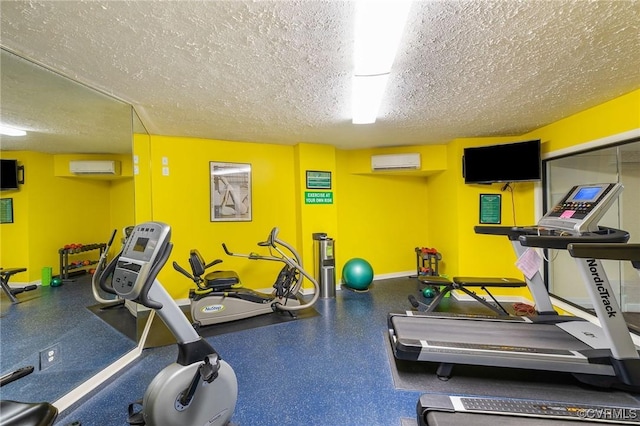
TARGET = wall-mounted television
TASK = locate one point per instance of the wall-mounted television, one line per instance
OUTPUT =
(8, 174)
(509, 162)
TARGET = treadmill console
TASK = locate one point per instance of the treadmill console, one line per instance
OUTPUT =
(137, 266)
(582, 208)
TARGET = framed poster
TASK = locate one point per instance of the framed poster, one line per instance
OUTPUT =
(490, 209)
(6, 210)
(318, 180)
(230, 191)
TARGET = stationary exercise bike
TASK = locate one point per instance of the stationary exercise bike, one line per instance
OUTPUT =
(217, 298)
(199, 388)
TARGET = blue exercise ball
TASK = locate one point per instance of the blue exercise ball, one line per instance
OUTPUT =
(357, 274)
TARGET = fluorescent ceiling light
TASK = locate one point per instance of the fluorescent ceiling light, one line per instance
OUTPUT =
(367, 96)
(379, 27)
(10, 131)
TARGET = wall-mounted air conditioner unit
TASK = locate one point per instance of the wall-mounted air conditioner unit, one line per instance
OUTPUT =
(395, 162)
(93, 167)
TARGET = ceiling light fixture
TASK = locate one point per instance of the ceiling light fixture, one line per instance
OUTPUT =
(379, 26)
(10, 131)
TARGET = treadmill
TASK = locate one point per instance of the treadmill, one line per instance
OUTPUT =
(449, 410)
(603, 355)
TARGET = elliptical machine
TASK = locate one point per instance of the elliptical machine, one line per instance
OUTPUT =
(199, 388)
(218, 300)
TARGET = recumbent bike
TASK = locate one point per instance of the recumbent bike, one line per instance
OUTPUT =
(220, 298)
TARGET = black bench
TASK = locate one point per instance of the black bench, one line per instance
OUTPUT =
(5, 276)
(461, 283)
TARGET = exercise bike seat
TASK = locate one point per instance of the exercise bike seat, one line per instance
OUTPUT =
(221, 280)
(14, 413)
(216, 280)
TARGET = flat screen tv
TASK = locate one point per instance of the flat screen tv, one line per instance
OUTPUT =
(8, 174)
(510, 162)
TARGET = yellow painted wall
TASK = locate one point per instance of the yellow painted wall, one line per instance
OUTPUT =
(142, 177)
(493, 256)
(378, 216)
(312, 218)
(610, 118)
(382, 217)
(451, 225)
(182, 199)
(14, 237)
(51, 211)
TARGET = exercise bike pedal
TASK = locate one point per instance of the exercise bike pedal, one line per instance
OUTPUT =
(136, 418)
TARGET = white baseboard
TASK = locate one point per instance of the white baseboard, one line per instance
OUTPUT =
(394, 275)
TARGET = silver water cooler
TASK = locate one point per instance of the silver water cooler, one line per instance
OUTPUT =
(324, 264)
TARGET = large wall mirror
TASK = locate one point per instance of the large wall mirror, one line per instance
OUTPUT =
(619, 163)
(60, 329)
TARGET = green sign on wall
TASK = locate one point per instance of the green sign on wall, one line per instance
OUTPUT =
(490, 208)
(318, 180)
(322, 197)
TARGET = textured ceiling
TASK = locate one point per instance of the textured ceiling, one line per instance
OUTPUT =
(280, 71)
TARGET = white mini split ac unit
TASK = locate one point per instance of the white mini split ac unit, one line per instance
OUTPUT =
(93, 167)
(395, 162)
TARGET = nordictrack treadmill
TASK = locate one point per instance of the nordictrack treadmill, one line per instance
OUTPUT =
(449, 410)
(600, 355)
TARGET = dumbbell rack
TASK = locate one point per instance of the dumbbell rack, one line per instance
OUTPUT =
(67, 269)
(427, 261)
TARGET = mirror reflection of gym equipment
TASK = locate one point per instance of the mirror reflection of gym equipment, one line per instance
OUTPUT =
(11, 292)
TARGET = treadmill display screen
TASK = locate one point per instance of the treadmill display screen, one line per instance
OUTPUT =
(588, 193)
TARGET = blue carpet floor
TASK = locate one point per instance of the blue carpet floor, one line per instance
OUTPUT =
(333, 368)
(55, 317)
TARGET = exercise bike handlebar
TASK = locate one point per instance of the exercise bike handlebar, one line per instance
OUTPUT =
(296, 263)
(184, 272)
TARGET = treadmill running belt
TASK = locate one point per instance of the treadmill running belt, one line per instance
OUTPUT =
(451, 332)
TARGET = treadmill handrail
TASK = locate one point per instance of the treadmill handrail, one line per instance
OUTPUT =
(513, 232)
(616, 251)
(560, 241)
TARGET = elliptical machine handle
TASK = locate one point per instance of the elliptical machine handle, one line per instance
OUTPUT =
(224, 246)
(273, 236)
(215, 262)
(183, 271)
(113, 235)
(271, 239)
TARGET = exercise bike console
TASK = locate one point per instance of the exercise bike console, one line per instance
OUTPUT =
(144, 254)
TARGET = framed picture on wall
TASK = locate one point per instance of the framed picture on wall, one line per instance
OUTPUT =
(6, 210)
(230, 191)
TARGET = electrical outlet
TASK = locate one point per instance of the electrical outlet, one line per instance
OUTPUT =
(49, 356)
